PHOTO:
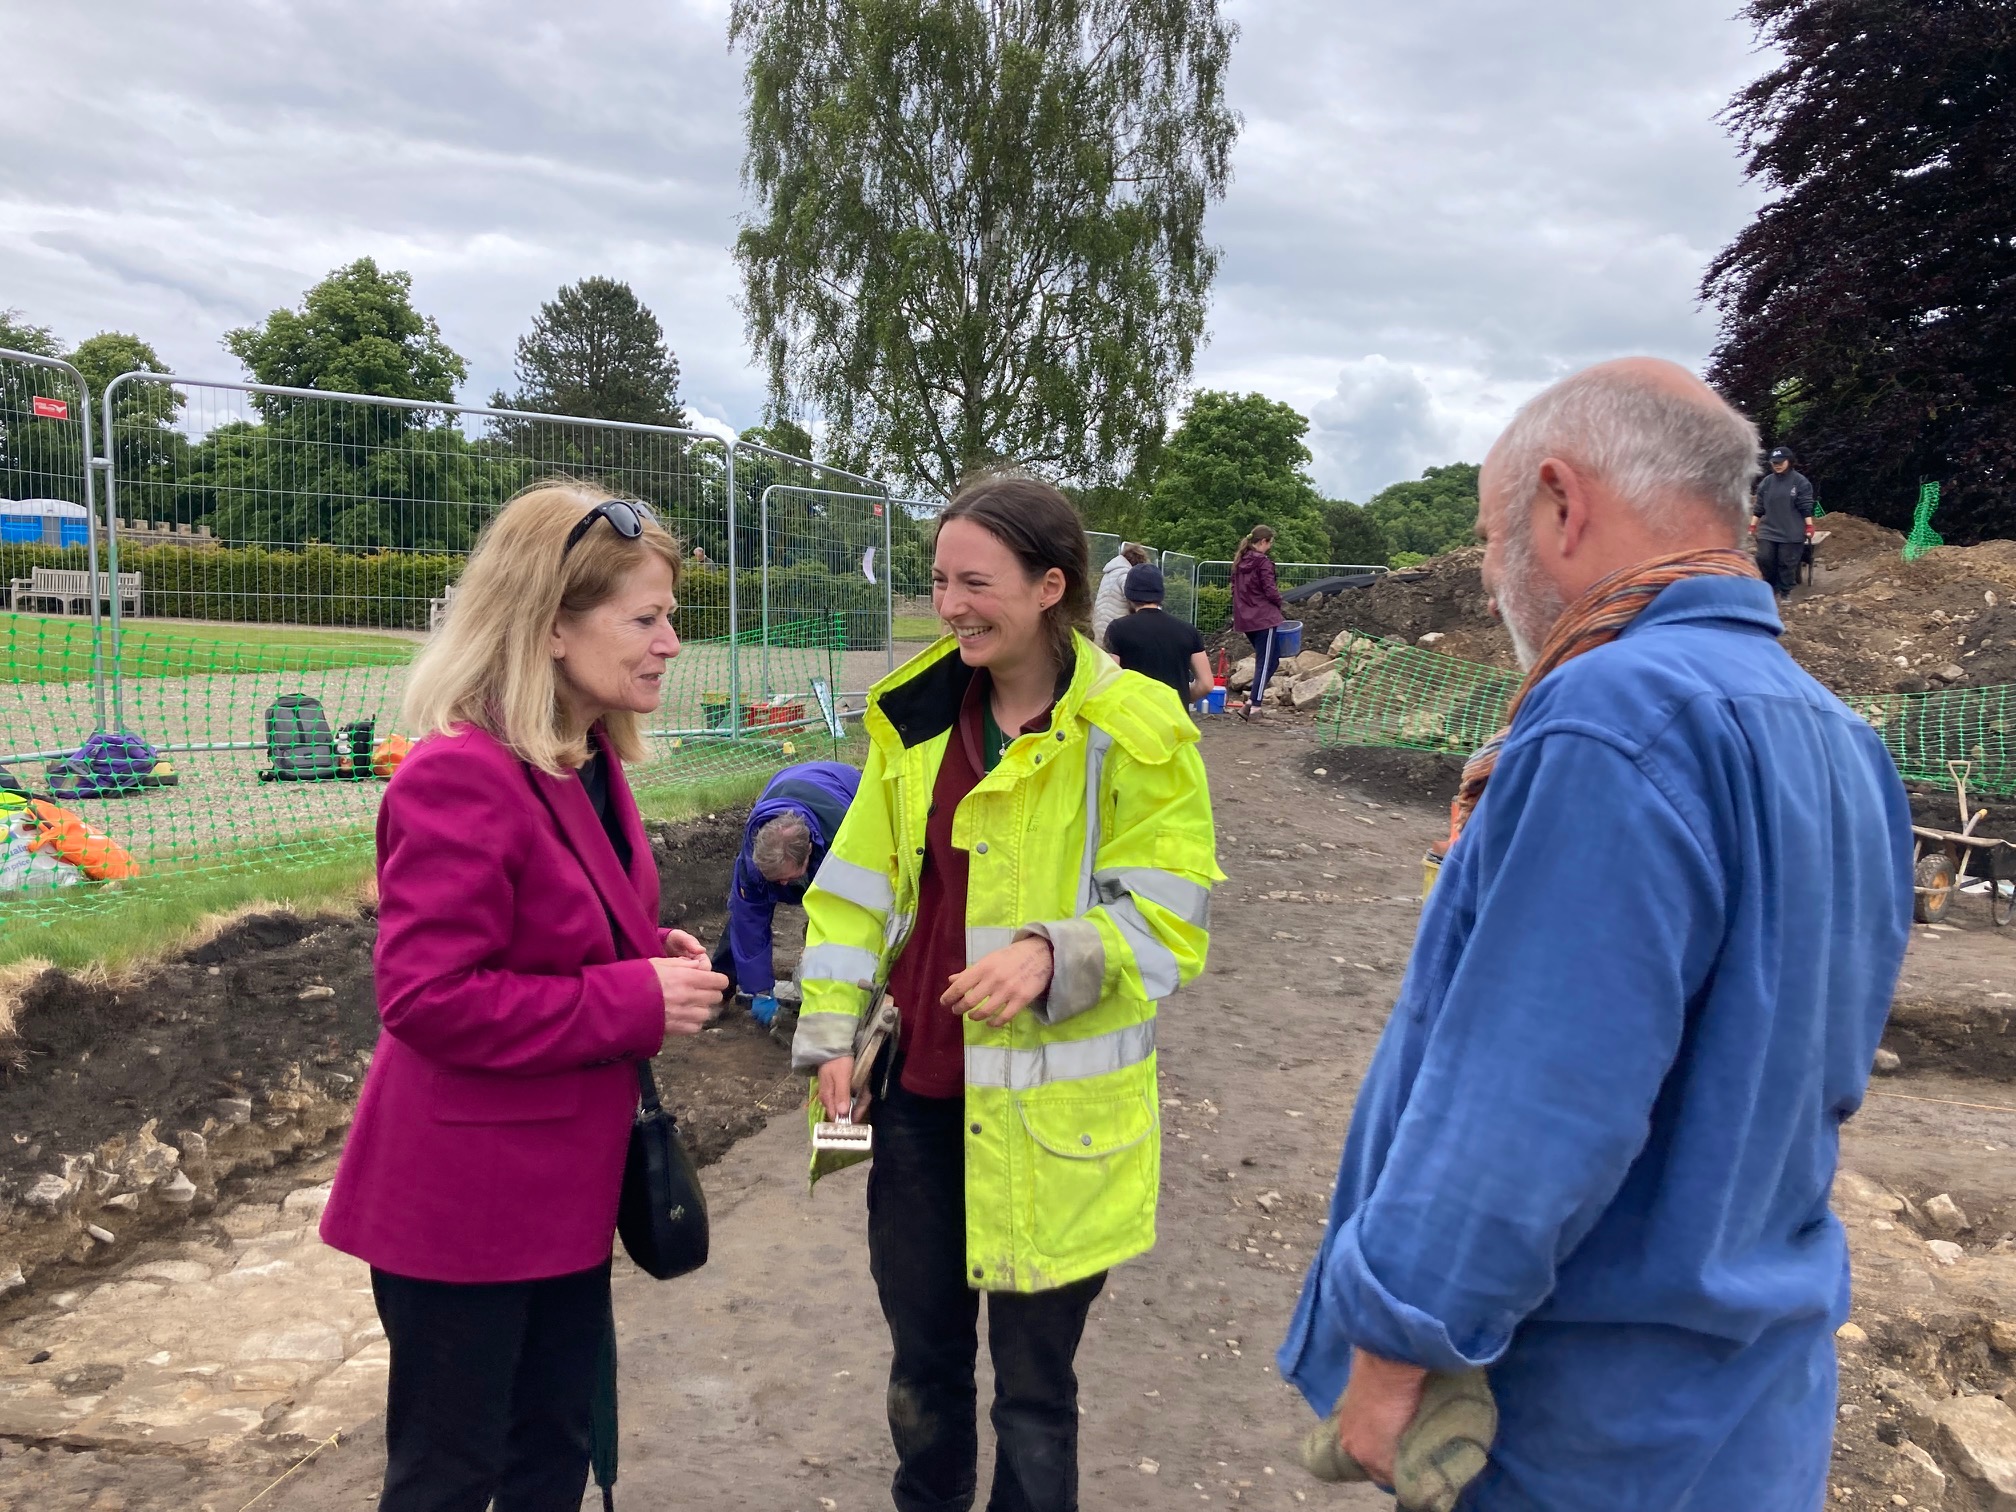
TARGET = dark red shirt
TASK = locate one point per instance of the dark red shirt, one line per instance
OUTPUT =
(933, 1036)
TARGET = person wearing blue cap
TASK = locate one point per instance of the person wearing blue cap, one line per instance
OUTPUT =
(1156, 644)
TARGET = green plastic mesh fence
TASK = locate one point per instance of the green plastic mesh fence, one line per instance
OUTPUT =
(1923, 537)
(1392, 694)
(269, 746)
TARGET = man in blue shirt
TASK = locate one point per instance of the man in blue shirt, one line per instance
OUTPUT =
(1594, 1149)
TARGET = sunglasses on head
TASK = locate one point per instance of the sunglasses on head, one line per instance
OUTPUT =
(625, 516)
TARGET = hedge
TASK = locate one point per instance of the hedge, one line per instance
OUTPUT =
(326, 585)
(1214, 609)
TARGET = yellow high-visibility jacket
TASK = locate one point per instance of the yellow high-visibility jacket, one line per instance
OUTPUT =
(1095, 834)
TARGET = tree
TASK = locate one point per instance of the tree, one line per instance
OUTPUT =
(1236, 461)
(979, 233)
(335, 471)
(1869, 312)
(17, 335)
(1434, 514)
(40, 458)
(597, 351)
(356, 332)
(149, 452)
(1354, 535)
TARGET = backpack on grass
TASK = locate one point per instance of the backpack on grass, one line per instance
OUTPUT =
(105, 766)
(300, 747)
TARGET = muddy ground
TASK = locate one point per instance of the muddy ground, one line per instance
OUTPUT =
(1868, 622)
(757, 1383)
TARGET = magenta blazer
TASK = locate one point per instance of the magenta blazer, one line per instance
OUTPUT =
(493, 1124)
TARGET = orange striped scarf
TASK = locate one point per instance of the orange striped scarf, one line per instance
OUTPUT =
(1595, 619)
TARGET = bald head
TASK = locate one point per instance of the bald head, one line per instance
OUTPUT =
(1663, 442)
(1621, 463)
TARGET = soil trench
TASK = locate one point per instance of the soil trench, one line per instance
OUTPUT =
(758, 1383)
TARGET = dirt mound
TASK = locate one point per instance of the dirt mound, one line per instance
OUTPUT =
(1445, 596)
(1869, 622)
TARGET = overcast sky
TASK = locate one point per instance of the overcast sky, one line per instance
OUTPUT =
(1437, 205)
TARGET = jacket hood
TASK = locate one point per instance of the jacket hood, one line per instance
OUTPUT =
(921, 698)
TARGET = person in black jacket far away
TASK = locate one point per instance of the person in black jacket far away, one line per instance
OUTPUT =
(1781, 518)
(1156, 644)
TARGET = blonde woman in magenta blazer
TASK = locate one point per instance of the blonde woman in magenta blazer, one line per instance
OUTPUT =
(520, 973)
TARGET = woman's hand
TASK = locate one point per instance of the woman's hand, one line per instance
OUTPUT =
(684, 949)
(835, 1079)
(691, 993)
(1001, 983)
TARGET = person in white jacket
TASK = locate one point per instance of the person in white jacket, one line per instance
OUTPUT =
(1110, 603)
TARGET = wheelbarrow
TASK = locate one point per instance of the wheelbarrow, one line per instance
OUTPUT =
(1943, 862)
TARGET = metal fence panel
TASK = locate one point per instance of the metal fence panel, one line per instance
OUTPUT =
(48, 519)
(1179, 585)
(299, 543)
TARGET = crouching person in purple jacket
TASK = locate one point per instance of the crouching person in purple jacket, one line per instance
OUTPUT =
(520, 974)
(788, 834)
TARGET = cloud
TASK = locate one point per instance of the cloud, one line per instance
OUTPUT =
(1437, 207)
(1381, 423)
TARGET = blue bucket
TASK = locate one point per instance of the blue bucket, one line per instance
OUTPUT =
(1288, 639)
(1214, 701)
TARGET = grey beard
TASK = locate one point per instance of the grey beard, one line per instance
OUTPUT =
(1528, 604)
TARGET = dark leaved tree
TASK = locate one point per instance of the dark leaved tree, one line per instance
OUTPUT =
(1869, 312)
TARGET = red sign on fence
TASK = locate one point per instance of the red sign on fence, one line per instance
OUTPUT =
(50, 409)
(878, 511)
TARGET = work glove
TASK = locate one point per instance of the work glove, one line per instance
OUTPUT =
(763, 1009)
(1442, 1451)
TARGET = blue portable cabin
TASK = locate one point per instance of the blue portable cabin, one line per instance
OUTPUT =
(41, 522)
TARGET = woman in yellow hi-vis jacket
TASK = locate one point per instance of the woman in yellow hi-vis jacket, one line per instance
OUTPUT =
(1027, 866)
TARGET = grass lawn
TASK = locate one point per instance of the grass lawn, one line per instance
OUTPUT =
(150, 918)
(36, 648)
(919, 627)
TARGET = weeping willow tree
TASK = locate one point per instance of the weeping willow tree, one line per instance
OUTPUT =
(979, 224)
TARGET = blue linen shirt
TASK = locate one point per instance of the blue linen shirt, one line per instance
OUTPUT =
(1594, 1149)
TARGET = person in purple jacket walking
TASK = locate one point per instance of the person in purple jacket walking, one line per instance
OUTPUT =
(788, 834)
(1256, 608)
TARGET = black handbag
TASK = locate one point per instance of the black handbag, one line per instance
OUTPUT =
(662, 1216)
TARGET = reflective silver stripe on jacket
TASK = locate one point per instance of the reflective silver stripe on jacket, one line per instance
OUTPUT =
(821, 1037)
(1097, 744)
(1160, 975)
(1189, 901)
(1061, 1060)
(857, 884)
(982, 939)
(838, 963)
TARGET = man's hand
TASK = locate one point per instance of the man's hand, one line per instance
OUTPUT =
(1379, 1401)
(1001, 983)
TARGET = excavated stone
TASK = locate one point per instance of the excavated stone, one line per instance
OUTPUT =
(1978, 1434)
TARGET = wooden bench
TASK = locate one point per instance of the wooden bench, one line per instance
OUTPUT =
(65, 586)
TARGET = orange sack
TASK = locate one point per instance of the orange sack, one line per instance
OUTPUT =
(387, 754)
(65, 833)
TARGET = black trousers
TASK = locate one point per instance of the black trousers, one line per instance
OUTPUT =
(917, 1253)
(490, 1392)
(1778, 563)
